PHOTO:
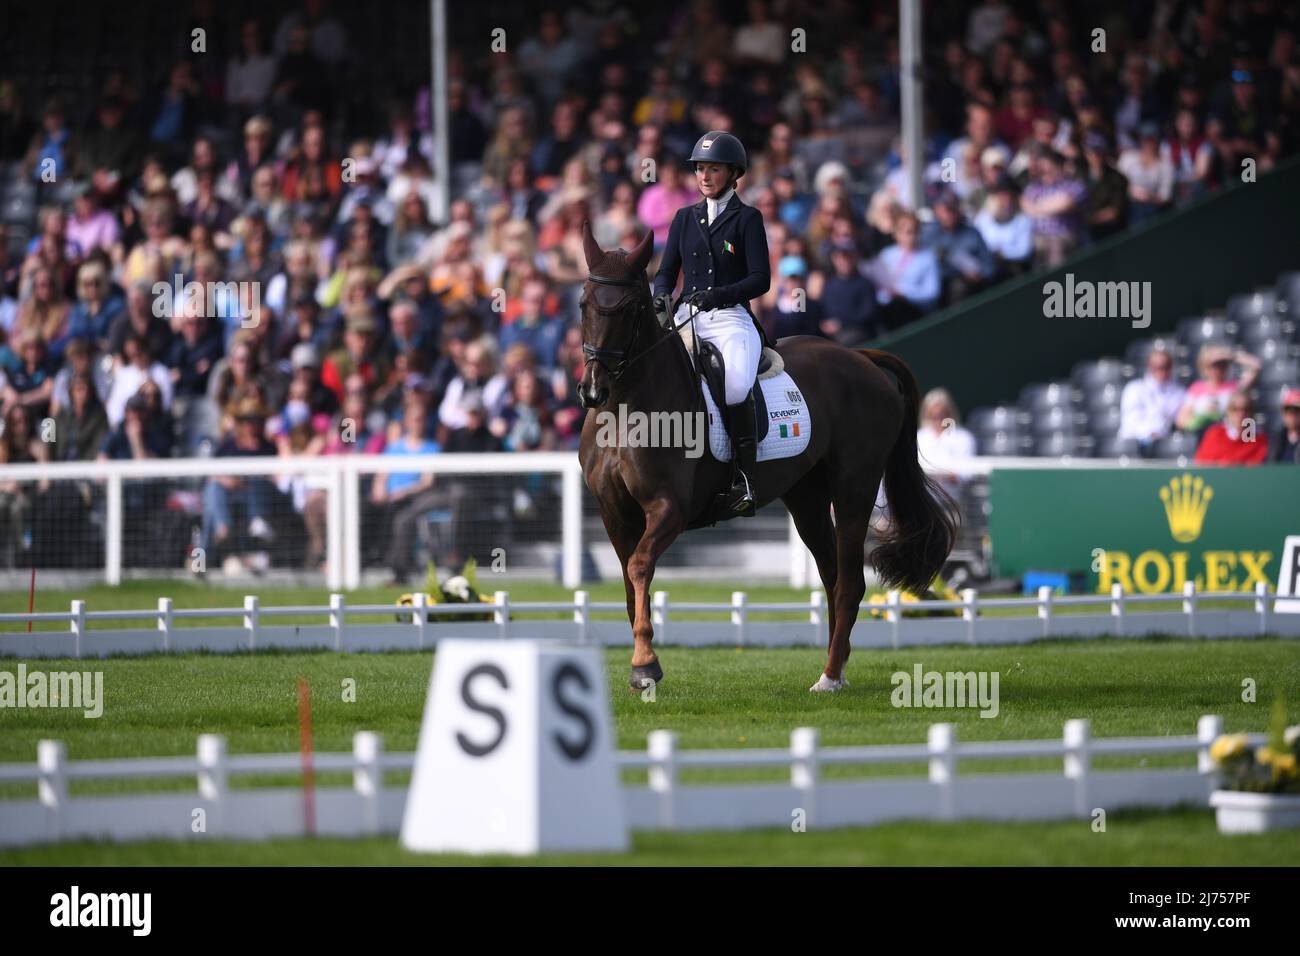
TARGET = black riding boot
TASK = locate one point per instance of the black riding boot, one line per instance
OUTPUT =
(744, 451)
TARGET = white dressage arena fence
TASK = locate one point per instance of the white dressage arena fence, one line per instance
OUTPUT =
(345, 627)
(370, 807)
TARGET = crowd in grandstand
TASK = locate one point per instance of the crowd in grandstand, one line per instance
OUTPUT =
(360, 301)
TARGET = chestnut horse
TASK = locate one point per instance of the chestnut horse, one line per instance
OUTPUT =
(864, 429)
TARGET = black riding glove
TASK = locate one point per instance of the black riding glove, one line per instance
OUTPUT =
(663, 306)
(705, 299)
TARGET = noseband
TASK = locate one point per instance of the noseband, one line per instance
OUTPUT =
(620, 358)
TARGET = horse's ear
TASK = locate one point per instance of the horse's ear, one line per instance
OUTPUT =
(640, 256)
(590, 247)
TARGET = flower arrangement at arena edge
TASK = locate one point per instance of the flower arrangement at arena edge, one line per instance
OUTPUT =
(458, 589)
(1270, 768)
(939, 591)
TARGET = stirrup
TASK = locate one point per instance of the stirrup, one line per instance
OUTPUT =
(741, 496)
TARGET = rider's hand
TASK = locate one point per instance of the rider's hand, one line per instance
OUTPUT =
(663, 303)
(705, 300)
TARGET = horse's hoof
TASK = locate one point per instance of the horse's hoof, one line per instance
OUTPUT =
(644, 675)
(828, 685)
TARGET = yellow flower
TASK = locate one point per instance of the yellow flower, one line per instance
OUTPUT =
(1228, 747)
(1284, 765)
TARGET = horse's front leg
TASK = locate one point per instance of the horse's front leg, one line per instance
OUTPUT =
(665, 520)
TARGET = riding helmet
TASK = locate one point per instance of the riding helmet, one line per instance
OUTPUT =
(716, 146)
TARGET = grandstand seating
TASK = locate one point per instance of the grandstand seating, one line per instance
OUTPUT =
(1080, 417)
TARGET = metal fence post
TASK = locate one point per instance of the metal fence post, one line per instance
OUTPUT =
(251, 614)
(165, 621)
(739, 614)
(580, 608)
(969, 597)
(368, 778)
(1189, 606)
(113, 529)
(804, 768)
(52, 785)
(659, 615)
(338, 618)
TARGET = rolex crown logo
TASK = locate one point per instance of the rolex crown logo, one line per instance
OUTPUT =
(1186, 500)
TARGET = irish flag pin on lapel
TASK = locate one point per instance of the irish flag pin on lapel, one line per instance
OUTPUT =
(728, 247)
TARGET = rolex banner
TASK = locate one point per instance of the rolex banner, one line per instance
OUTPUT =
(1148, 529)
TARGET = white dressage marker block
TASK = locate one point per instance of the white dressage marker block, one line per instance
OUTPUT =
(1288, 577)
(515, 753)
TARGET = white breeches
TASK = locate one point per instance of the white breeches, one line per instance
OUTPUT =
(732, 331)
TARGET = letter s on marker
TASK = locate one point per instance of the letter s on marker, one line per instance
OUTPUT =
(566, 673)
(467, 745)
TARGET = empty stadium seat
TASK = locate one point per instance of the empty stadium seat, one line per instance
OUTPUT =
(1057, 418)
(1048, 395)
(1116, 447)
(1103, 397)
(997, 418)
(1287, 291)
(1199, 330)
(1060, 444)
(1280, 372)
(1263, 328)
(1004, 444)
(1177, 445)
(1135, 355)
(1103, 422)
(1087, 376)
(1261, 302)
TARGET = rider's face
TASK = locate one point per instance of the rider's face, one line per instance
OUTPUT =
(712, 178)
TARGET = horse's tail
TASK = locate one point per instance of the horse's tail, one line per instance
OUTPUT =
(925, 517)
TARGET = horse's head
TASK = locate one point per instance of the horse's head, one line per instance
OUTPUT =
(615, 305)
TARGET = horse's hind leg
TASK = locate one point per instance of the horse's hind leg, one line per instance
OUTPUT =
(809, 504)
(854, 497)
(664, 522)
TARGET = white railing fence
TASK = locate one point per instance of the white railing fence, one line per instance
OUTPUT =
(216, 810)
(340, 477)
(341, 626)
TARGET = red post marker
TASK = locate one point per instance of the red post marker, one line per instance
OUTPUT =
(31, 599)
(304, 747)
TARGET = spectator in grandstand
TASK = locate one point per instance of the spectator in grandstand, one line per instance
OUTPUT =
(97, 310)
(80, 425)
(135, 366)
(16, 130)
(1207, 397)
(535, 327)
(1149, 405)
(408, 496)
(238, 374)
(193, 354)
(411, 229)
(525, 422)
(92, 227)
(18, 445)
(1108, 190)
(360, 354)
(1234, 440)
(250, 73)
(1243, 128)
(227, 498)
(793, 311)
(965, 262)
(1055, 202)
(42, 310)
(940, 439)
(175, 112)
(794, 207)
(80, 359)
(28, 374)
(477, 374)
(1005, 229)
(1286, 442)
(474, 435)
(907, 276)
(139, 318)
(1191, 155)
(660, 201)
(52, 156)
(1150, 175)
(848, 297)
(1138, 102)
(138, 435)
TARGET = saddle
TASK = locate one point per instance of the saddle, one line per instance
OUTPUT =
(709, 365)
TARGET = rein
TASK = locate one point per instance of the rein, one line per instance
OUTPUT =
(621, 357)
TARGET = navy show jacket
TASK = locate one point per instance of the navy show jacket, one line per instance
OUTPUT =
(729, 256)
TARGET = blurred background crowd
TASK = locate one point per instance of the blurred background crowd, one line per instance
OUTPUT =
(293, 156)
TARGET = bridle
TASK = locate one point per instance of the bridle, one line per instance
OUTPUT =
(622, 358)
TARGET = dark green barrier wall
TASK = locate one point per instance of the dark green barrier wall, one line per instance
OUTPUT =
(1223, 527)
(985, 349)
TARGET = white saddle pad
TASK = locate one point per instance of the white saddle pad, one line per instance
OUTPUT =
(789, 425)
